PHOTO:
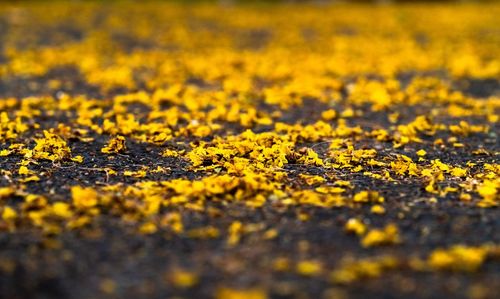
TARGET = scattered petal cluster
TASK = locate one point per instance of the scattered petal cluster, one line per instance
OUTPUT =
(237, 151)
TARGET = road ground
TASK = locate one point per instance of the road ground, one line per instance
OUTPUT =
(271, 151)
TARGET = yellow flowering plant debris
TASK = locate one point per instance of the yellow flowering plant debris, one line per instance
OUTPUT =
(228, 150)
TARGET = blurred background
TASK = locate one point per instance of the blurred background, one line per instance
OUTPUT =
(269, 1)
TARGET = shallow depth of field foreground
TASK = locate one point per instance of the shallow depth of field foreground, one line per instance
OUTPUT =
(236, 151)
